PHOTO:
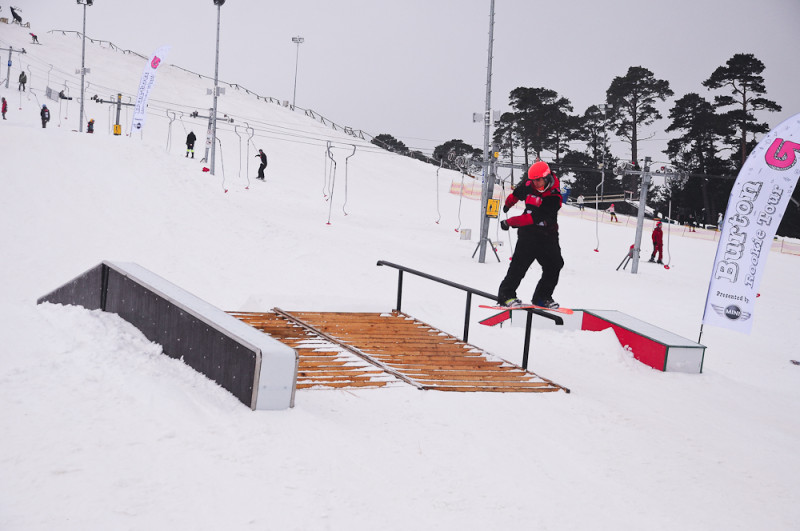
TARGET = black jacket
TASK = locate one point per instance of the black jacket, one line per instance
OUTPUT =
(190, 139)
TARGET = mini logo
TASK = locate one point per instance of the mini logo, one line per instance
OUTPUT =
(733, 312)
(155, 62)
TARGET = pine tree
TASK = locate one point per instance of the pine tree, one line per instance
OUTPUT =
(543, 120)
(695, 151)
(633, 97)
(741, 75)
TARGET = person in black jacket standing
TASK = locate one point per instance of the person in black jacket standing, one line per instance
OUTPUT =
(45, 114)
(190, 140)
(263, 166)
(537, 237)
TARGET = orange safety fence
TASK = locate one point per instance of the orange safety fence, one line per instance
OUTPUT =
(779, 244)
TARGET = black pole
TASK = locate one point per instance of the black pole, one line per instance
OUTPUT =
(527, 347)
(466, 316)
(399, 288)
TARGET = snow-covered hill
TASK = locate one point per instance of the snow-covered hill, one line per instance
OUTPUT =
(100, 431)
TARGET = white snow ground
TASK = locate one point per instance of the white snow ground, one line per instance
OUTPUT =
(98, 430)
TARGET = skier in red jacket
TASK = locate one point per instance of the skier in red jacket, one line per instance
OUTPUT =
(4, 108)
(658, 244)
(537, 236)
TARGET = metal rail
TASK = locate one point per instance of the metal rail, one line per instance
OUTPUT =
(470, 291)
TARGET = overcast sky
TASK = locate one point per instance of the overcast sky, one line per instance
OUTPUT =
(416, 69)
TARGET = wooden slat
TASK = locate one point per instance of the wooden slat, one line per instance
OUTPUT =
(340, 350)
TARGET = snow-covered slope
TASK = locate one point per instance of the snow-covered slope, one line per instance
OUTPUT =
(99, 431)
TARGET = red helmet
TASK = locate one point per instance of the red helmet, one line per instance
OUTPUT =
(538, 169)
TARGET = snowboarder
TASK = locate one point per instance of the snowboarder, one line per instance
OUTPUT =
(261, 168)
(45, 114)
(537, 236)
(22, 80)
(90, 126)
(190, 140)
(4, 108)
(613, 213)
(658, 244)
(35, 38)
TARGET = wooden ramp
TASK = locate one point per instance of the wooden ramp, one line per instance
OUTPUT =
(342, 350)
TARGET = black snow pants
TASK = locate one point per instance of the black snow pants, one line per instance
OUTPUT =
(534, 244)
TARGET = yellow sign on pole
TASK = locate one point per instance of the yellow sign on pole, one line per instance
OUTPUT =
(117, 129)
(493, 208)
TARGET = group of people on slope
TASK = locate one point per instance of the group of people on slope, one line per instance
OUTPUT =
(191, 138)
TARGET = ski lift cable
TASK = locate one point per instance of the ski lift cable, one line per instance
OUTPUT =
(169, 128)
(236, 130)
(252, 133)
(222, 164)
(441, 162)
(332, 182)
(345, 179)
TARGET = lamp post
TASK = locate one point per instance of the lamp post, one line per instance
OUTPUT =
(84, 3)
(298, 41)
(217, 3)
(604, 108)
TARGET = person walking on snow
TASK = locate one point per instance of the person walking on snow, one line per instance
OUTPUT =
(263, 166)
(537, 236)
(580, 202)
(4, 108)
(22, 80)
(45, 114)
(658, 244)
(613, 213)
(190, 140)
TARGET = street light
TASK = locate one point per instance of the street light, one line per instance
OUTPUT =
(604, 108)
(298, 41)
(84, 3)
(217, 3)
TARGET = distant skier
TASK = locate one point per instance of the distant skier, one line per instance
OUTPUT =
(22, 80)
(17, 18)
(263, 166)
(90, 126)
(658, 244)
(35, 38)
(45, 114)
(190, 140)
(4, 108)
(613, 213)
(580, 202)
(537, 236)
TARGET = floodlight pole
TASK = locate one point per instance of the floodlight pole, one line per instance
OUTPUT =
(298, 41)
(84, 3)
(9, 50)
(217, 3)
(640, 217)
(488, 169)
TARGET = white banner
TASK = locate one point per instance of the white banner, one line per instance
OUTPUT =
(755, 209)
(145, 85)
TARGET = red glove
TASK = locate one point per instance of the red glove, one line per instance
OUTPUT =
(533, 200)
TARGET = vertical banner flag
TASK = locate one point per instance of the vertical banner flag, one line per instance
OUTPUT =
(755, 209)
(145, 85)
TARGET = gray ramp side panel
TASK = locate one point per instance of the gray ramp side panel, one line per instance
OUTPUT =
(277, 377)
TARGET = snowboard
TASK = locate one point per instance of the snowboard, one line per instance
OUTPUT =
(565, 311)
